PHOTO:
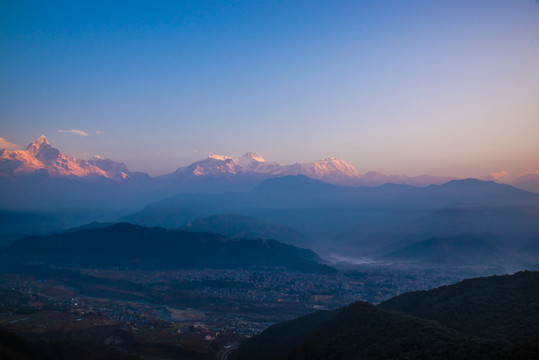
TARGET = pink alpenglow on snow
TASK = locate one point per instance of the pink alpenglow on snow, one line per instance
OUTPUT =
(40, 155)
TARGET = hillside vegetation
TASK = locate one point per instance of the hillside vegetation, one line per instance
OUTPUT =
(491, 318)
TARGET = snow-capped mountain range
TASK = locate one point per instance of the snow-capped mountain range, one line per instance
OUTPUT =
(330, 170)
(41, 157)
(40, 177)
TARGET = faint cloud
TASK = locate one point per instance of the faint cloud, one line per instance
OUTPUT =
(195, 151)
(4, 144)
(99, 132)
(499, 175)
(530, 173)
(351, 260)
(73, 131)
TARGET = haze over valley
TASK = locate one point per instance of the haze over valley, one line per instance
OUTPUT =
(219, 250)
(269, 180)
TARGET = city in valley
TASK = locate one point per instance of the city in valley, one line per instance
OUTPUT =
(269, 180)
(199, 313)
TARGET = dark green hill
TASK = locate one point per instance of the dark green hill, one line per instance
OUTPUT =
(130, 246)
(497, 307)
(362, 331)
(279, 339)
(13, 347)
(491, 318)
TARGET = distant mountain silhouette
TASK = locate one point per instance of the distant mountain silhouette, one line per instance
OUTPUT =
(507, 227)
(294, 183)
(468, 190)
(15, 224)
(360, 220)
(457, 251)
(130, 246)
(239, 226)
(487, 318)
(89, 226)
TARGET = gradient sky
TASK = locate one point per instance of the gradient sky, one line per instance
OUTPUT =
(403, 87)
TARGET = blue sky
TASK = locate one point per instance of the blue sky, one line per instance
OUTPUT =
(409, 87)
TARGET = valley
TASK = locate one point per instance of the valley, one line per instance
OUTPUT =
(269, 180)
(202, 260)
(198, 312)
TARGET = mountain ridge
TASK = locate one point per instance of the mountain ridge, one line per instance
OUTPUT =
(42, 178)
(41, 155)
(131, 246)
(463, 250)
(365, 219)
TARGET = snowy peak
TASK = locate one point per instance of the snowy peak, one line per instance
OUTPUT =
(331, 170)
(333, 165)
(41, 155)
(219, 165)
(251, 156)
(37, 143)
(213, 165)
(113, 169)
(43, 151)
(219, 157)
(252, 162)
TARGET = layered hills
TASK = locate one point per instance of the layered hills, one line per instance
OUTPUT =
(304, 204)
(377, 221)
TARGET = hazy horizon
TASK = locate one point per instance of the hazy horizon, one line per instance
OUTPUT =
(445, 89)
(396, 155)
